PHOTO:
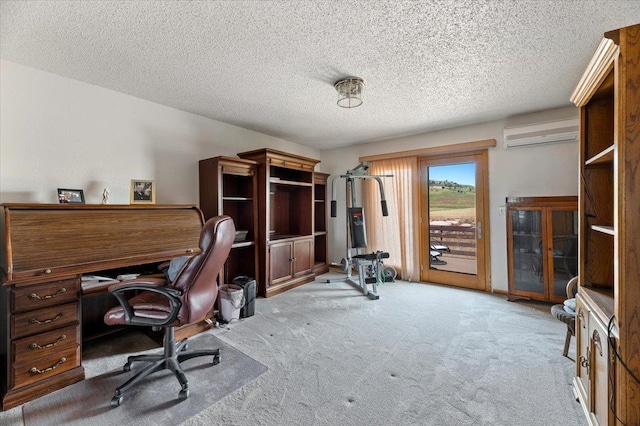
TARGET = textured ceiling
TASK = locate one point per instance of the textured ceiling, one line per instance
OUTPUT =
(270, 66)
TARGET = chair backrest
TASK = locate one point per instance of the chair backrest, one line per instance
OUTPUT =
(197, 279)
(572, 288)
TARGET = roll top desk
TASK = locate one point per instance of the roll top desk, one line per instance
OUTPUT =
(45, 249)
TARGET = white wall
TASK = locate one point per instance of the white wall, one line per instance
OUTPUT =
(57, 132)
(528, 171)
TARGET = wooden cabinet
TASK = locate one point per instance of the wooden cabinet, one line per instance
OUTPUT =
(229, 186)
(320, 238)
(290, 259)
(608, 367)
(542, 246)
(286, 225)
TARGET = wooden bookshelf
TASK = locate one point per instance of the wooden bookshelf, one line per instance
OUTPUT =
(608, 300)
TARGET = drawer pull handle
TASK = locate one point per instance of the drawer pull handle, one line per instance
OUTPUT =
(596, 341)
(581, 318)
(48, 345)
(189, 251)
(53, 367)
(48, 296)
(47, 321)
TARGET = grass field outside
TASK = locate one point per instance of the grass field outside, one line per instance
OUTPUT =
(452, 205)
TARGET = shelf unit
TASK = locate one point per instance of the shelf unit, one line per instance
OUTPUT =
(228, 186)
(286, 252)
(542, 246)
(608, 300)
(320, 238)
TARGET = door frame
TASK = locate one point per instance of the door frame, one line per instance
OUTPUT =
(482, 279)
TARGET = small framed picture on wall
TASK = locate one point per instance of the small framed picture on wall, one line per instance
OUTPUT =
(70, 196)
(143, 192)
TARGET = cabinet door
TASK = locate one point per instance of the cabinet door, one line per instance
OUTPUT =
(280, 259)
(599, 373)
(303, 257)
(562, 251)
(582, 350)
(526, 252)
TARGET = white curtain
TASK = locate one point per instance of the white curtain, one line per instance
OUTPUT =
(396, 233)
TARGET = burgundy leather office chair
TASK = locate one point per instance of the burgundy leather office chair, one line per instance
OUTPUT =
(186, 300)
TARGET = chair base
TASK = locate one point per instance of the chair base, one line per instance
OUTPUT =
(567, 342)
(567, 318)
(173, 354)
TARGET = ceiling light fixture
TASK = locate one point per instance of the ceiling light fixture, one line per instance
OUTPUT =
(349, 92)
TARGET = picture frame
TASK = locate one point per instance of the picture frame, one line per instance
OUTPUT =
(70, 196)
(142, 191)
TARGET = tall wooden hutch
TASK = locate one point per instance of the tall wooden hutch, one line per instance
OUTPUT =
(286, 214)
(608, 300)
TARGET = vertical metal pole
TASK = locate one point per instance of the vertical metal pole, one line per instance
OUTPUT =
(348, 192)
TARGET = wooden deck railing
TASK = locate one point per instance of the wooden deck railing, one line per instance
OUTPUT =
(461, 240)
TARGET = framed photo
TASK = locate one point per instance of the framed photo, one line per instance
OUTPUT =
(143, 192)
(70, 196)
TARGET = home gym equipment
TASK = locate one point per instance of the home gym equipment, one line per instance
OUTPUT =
(370, 267)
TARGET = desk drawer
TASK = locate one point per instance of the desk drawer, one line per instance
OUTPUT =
(42, 320)
(45, 344)
(33, 371)
(41, 295)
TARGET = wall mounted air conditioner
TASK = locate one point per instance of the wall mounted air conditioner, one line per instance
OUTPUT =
(541, 133)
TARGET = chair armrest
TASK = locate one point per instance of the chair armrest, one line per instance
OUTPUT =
(154, 285)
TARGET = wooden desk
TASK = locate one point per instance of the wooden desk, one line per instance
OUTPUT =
(45, 249)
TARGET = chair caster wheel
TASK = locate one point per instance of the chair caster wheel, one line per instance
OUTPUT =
(116, 401)
(184, 394)
(127, 367)
(216, 359)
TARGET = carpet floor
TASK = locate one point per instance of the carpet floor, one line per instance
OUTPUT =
(420, 355)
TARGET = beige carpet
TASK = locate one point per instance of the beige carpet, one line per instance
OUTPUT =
(420, 355)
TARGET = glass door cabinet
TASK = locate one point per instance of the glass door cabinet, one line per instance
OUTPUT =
(542, 242)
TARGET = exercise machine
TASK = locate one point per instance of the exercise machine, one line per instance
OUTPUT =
(370, 267)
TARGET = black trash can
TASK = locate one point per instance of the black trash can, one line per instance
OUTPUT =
(248, 284)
